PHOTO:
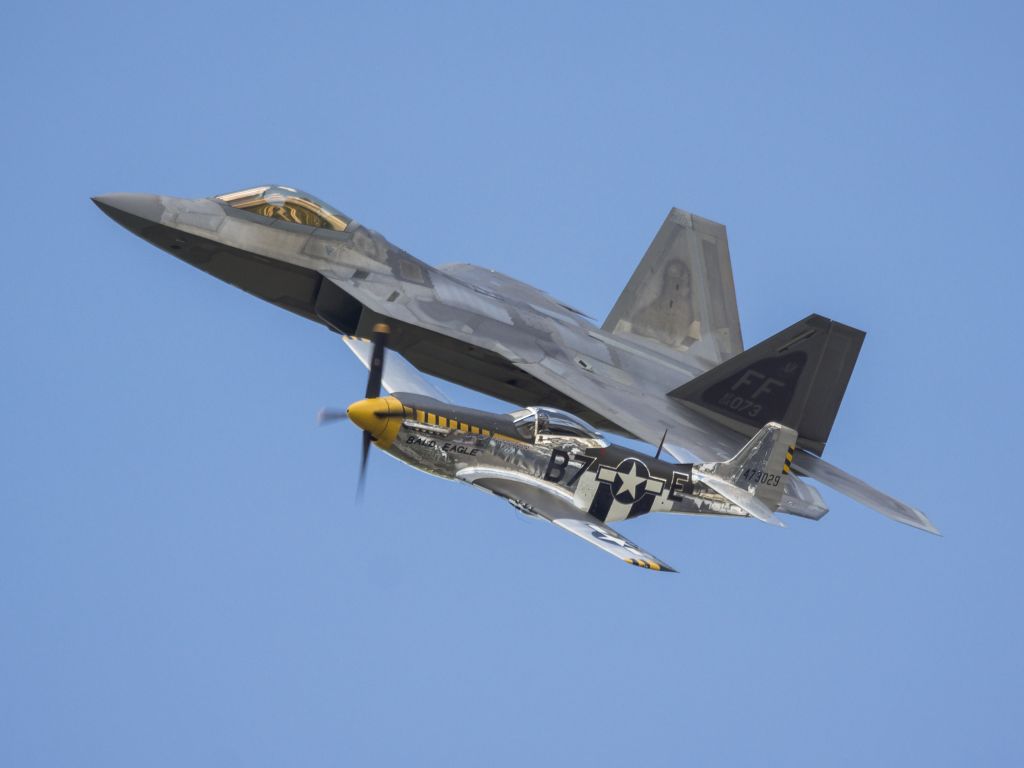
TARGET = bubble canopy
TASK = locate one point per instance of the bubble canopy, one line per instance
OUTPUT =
(287, 204)
(551, 422)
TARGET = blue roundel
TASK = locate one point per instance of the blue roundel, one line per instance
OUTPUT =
(630, 481)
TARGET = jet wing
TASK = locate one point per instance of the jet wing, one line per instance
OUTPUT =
(534, 500)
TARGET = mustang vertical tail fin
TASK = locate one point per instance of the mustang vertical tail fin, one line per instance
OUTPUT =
(754, 479)
(797, 377)
(761, 465)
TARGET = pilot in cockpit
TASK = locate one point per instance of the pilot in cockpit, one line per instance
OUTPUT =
(542, 425)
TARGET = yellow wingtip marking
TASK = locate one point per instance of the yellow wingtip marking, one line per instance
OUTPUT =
(649, 564)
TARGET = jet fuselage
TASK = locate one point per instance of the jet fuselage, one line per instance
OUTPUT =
(350, 280)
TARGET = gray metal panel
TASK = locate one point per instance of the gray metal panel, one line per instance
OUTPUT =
(681, 295)
(797, 378)
(858, 490)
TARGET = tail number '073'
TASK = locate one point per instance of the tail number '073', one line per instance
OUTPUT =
(761, 478)
(740, 404)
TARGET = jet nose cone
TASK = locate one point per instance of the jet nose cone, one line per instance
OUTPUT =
(380, 416)
(131, 210)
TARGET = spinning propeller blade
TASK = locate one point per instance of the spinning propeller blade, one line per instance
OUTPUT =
(381, 332)
(362, 466)
(327, 415)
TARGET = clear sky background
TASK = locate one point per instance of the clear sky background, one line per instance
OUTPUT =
(184, 579)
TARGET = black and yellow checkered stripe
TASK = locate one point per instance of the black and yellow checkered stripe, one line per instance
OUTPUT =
(434, 420)
(789, 459)
(648, 564)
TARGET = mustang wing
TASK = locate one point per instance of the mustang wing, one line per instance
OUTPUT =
(559, 509)
(399, 373)
(611, 541)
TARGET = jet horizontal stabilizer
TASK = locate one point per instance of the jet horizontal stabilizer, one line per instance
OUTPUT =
(858, 490)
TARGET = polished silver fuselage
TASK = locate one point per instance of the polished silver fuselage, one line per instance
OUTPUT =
(604, 480)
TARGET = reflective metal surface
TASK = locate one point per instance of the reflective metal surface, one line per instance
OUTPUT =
(675, 321)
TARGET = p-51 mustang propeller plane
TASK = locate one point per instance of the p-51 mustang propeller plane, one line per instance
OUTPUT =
(550, 464)
(667, 366)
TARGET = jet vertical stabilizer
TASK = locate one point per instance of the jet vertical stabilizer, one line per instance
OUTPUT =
(797, 377)
(681, 295)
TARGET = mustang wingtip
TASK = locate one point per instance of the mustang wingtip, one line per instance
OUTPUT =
(650, 565)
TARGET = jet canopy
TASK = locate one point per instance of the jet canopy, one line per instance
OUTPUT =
(287, 204)
(539, 422)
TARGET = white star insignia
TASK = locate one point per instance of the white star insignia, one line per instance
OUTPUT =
(629, 482)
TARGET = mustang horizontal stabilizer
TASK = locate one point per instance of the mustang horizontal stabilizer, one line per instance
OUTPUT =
(802, 499)
(797, 378)
(682, 294)
(748, 502)
(533, 500)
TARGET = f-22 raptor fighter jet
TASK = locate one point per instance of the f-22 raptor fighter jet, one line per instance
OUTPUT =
(668, 364)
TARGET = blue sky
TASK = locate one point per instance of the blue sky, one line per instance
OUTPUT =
(183, 576)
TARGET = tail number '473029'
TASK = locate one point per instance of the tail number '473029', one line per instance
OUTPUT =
(762, 478)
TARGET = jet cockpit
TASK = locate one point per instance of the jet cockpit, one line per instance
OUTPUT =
(287, 204)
